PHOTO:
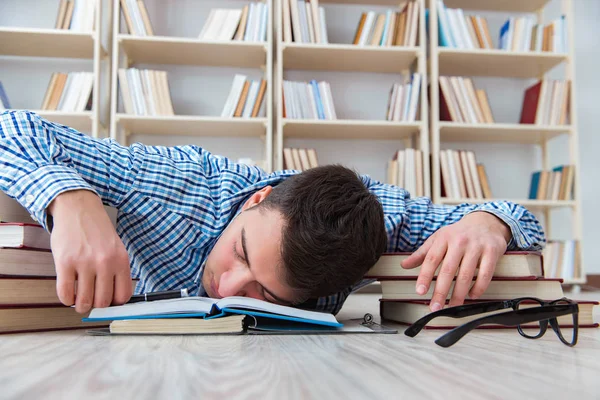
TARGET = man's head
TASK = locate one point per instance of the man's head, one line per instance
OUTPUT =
(313, 235)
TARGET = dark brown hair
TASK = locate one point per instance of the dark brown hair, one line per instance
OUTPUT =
(334, 229)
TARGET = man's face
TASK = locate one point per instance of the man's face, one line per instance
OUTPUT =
(246, 260)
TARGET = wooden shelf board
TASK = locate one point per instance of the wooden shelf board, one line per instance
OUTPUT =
(189, 51)
(511, 133)
(59, 43)
(81, 121)
(574, 281)
(496, 62)
(524, 202)
(193, 125)
(348, 129)
(393, 3)
(497, 5)
(347, 57)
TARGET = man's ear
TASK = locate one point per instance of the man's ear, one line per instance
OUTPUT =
(257, 197)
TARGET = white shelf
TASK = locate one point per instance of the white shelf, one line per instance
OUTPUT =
(528, 203)
(496, 62)
(193, 125)
(189, 51)
(348, 57)
(497, 5)
(81, 121)
(499, 133)
(349, 129)
(59, 43)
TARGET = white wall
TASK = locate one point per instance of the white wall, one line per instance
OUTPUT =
(202, 91)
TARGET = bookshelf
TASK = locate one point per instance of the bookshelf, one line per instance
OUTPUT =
(334, 57)
(500, 63)
(129, 50)
(64, 44)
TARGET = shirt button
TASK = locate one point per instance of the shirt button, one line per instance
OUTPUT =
(29, 199)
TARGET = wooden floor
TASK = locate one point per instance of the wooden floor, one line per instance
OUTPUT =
(483, 365)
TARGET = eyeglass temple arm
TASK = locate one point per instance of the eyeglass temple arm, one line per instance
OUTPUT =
(464, 310)
(510, 318)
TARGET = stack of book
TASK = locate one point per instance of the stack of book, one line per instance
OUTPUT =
(546, 103)
(552, 185)
(304, 22)
(246, 98)
(4, 103)
(248, 24)
(28, 299)
(392, 28)
(460, 101)
(304, 100)
(457, 30)
(299, 159)
(145, 92)
(76, 15)
(517, 274)
(405, 170)
(562, 259)
(404, 98)
(462, 176)
(70, 92)
(136, 17)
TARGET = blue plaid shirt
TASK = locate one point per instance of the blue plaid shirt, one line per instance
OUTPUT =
(174, 202)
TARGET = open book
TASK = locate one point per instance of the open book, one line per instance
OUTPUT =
(203, 315)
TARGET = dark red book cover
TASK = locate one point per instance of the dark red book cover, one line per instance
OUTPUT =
(530, 103)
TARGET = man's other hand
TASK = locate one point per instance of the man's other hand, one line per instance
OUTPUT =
(477, 240)
(92, 266)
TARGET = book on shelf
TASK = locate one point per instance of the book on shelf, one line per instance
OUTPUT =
(462, 176)
(563, 259)
(248, 23)
(461, 101)
(512, 264)
(4, 102)
(391, 28)
(246, 98)
(308, 100)
(299, 159)
(304, 22)
(69, 92)
(76, 15)
(202, 315)
(556, 184)
(137, 19)
(145, 92)
(403, 100)
(405, 170)
(546, 103)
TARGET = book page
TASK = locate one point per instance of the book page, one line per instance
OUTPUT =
(184, 305)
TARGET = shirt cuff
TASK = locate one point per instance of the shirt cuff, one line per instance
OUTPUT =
(518, 235)
(37, 189)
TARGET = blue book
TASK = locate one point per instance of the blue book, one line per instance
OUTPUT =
(318, 99)
(533, 187)
(3, 98)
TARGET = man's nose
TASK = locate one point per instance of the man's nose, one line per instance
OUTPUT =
(234, 281)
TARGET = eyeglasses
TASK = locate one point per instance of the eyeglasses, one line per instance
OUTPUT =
(542, 312)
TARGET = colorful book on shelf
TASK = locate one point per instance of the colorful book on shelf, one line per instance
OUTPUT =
(248, 23)
(457, 30)
(137, 19)
(308, 100)
(245, 98)
(523, 34)
(403, 100)
(512, 264)
(462, 177)
(546, 103)
(555, 184)
(563, 259)
(390, 28)
(76, 15)
(299, 159)
(409, 311)
(405, 170)
(145, 92)
(304, 22)
(4, 103)
(461, 101)
(69, 92)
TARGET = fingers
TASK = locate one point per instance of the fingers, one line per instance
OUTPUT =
(65, 285)
(434, 257)
(485, 274)
(417, 257)
(446, 276)
(123, 289)
(104, 290)
(464, 279)
(85, 292)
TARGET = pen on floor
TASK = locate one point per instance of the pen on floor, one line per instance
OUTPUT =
(152, 296)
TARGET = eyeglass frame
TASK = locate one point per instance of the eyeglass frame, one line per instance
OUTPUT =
(545, 314)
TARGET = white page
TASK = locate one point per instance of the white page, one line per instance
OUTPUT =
(193, 304)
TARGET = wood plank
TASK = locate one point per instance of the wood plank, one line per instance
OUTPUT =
(498, 5)
(499, 133)
(46, 43)
(349, 129)
(524, 202)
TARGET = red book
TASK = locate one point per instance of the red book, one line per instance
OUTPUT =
(24, 235)
(530, 103)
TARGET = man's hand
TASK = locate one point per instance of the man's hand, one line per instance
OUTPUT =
(87, 249)
(477, 240)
